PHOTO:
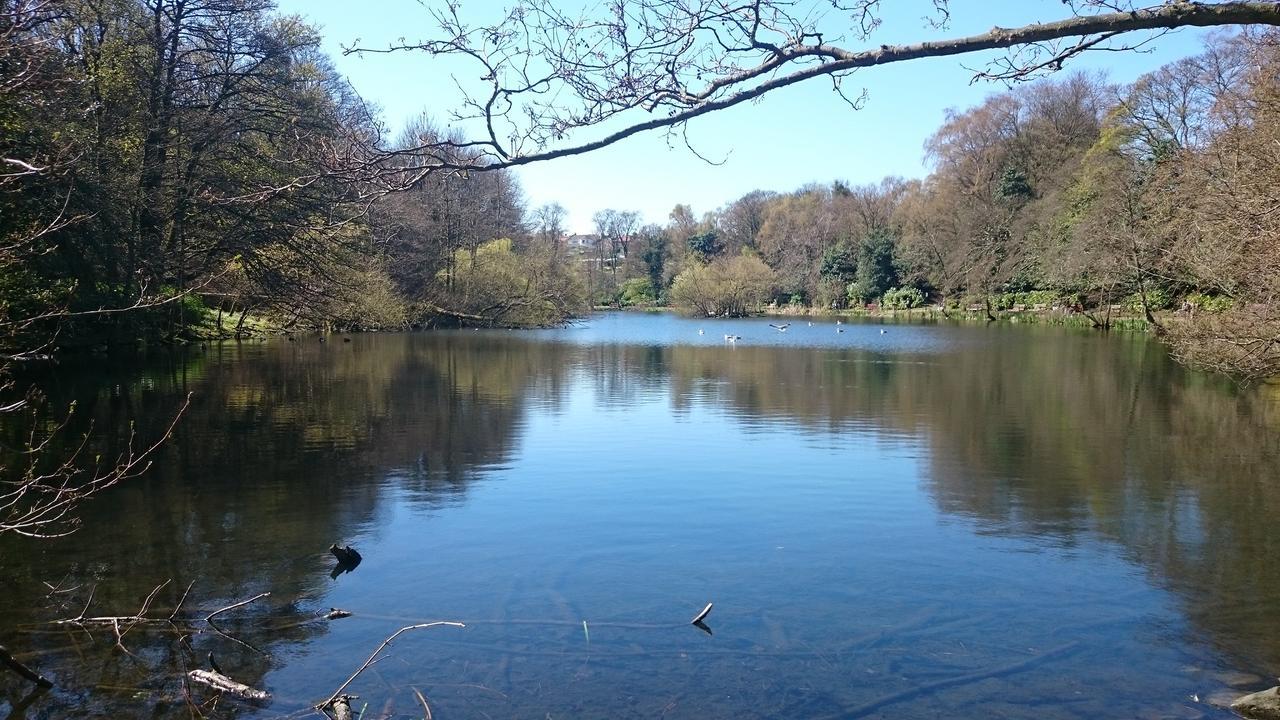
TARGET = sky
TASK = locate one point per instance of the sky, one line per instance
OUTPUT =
(799, 135)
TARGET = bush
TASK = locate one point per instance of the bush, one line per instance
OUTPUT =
(1157, 299)
(1210, 303)
(636, 291)
(728, 286)
(903, 298)
(1031, 298)
(502, 287)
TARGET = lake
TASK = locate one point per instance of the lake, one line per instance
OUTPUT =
(892, 521)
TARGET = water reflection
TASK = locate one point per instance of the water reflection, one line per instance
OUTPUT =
(880, 512)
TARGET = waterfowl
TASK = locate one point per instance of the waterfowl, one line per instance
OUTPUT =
(780, 328)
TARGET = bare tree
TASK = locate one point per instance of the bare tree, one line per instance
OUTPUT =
(41, 498)
(640, 65)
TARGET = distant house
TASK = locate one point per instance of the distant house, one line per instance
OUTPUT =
(581, 243)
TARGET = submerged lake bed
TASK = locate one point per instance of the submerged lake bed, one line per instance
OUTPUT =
(892, 520)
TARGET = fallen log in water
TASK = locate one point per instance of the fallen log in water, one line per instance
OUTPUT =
(10, 662)
(342, 708)
(227, 686)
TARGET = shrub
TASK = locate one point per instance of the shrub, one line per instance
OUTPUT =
(1210, 303)
(903, 298)
(727, 286)
(636, 291)
(1157, 299)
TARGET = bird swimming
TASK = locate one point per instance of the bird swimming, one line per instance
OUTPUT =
(699, 331)
(883, 332)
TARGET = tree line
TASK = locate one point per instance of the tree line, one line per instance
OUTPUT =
(170, 165)
(1158, 197)
(172, 168)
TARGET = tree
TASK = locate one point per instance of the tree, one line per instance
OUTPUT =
(496, 286)
(645, 65)
(728, 286)
(548, 224)
(1225, 225)
(739, 223)
(654, 244)
(876, 270)
(705, 246)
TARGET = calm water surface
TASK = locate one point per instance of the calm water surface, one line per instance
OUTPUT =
(933, 521)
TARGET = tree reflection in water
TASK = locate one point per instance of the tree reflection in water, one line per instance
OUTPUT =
(1069, 442)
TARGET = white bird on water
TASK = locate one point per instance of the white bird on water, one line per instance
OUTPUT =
(839, 330)
(839, 322)
(732, 338)
(883, 332)
(699, 331)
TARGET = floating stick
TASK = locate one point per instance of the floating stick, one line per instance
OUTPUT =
(702, 615)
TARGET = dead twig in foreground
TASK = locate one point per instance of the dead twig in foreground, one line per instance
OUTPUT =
(374, 657)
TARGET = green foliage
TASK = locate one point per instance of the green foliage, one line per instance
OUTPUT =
(1029, 299)
(839, 262)
(1013, 186)
(1157, 299)
(637, 291)
(734, 286)
(1210, 303)
(496, 285)
(876, 271)
(705, 245)
(654, 257)
(903, 298)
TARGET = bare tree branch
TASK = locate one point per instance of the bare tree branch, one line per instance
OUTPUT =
(547, 75)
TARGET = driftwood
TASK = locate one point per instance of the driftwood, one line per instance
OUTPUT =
(332, 700)
(227, 686)
(348, 560)
(342, 707)
(426, 709)
(702, 615)
(120, 625)
(10, 662)
(141, 616)
(346, 555)
(209, 618)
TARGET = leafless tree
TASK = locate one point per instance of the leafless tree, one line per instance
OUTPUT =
(547, 77)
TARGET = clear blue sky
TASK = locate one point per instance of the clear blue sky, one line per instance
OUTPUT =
(796, 136)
